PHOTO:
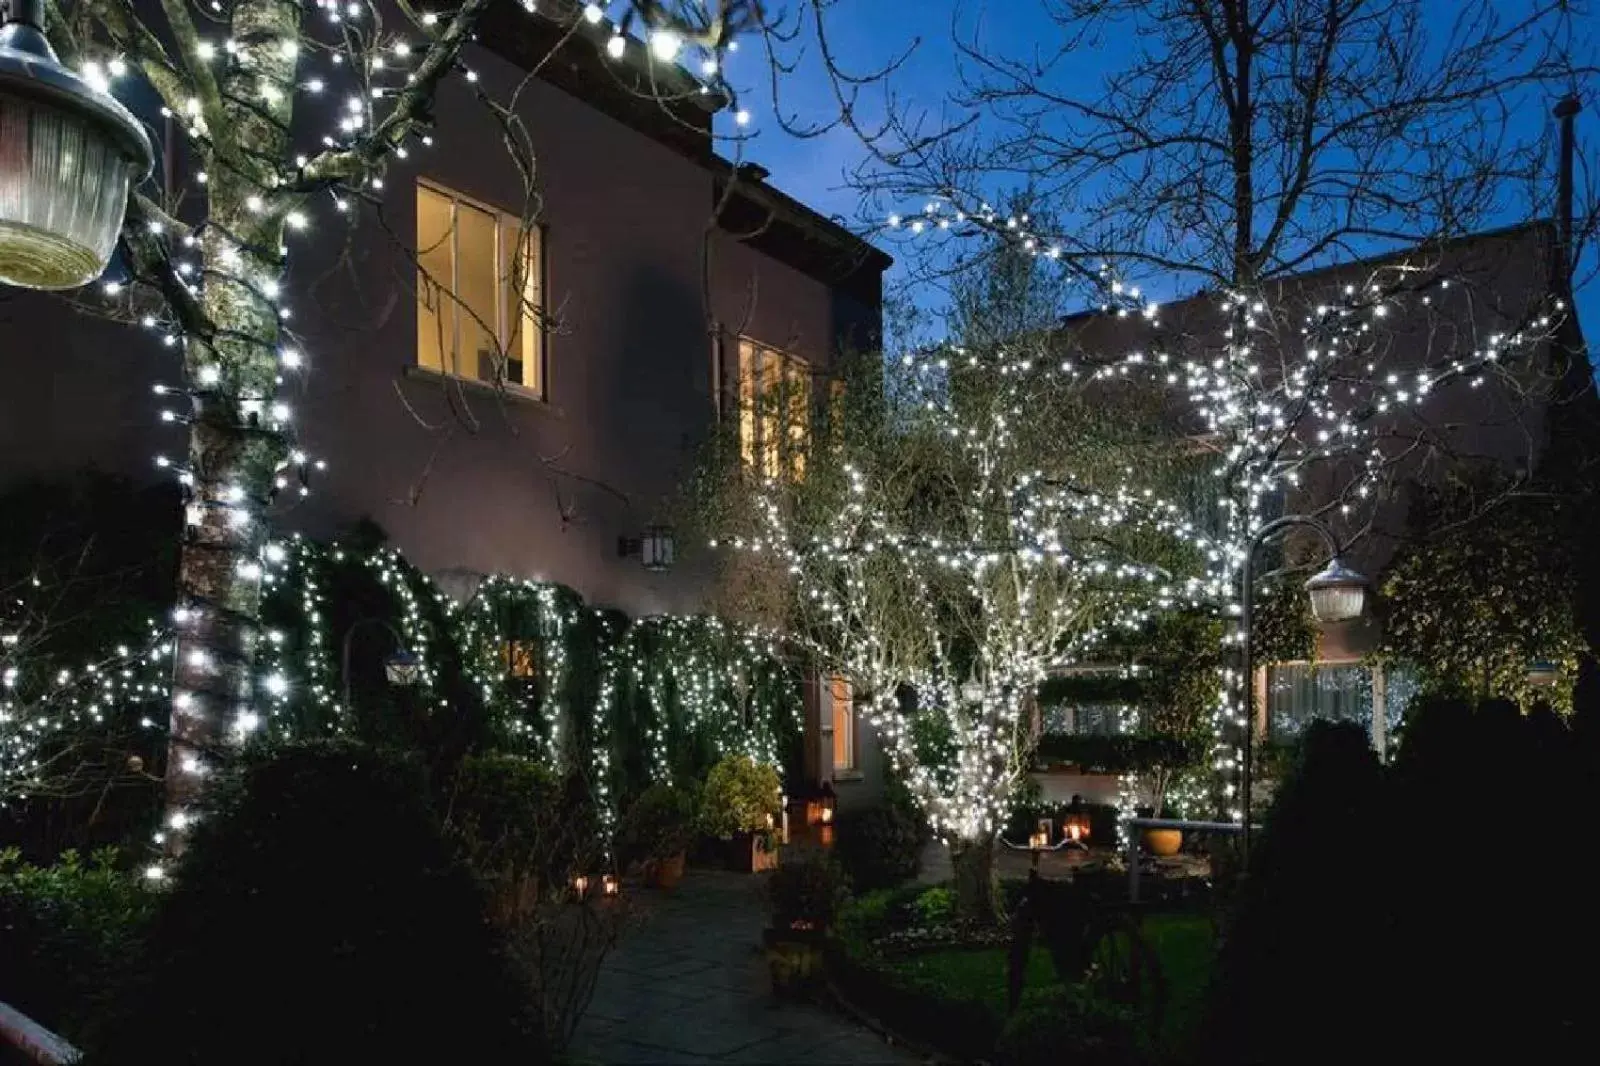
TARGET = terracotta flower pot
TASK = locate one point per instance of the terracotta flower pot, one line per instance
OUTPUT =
(664, 873)
(1163, 842)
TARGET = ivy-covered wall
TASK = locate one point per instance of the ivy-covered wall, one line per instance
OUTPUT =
(525, 667)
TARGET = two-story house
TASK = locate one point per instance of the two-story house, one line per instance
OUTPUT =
(503, 397)
(1501, 420)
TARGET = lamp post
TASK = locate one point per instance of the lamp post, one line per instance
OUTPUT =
(1337, 594)
(68, 154)
(402, 669)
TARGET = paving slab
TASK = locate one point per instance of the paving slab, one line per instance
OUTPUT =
(688, 983)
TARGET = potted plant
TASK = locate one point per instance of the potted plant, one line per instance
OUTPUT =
(806, 896)
(739, 806)
(656, 832)
(1181, 653)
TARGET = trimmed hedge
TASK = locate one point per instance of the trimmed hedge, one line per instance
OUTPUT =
(1119, 753)
(880, 846)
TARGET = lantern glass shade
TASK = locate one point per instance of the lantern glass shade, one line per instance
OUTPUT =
(1338, 594)
(972, 692)
(403, 669)
(656, 548)
(63, 191)
(68, 155)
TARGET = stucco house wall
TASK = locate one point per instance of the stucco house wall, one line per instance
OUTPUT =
(641, 285)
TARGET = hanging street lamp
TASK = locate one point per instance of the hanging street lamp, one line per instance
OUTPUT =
(1337, 594)
(68, 155)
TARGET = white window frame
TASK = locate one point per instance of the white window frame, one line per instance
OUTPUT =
(505, 299)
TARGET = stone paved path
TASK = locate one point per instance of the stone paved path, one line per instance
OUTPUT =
(689, 984)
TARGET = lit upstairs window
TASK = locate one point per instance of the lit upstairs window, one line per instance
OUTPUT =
(480, 291)
(774, 411)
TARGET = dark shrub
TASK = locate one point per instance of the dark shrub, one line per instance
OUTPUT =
(522, 830)
(658, 825)
(807, 892)
(68, 933)
(1069, 1025)
(1514, 784)
(880, 846)
(319, 916)
(1311, 920)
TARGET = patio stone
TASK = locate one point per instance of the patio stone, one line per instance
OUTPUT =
(688, 983)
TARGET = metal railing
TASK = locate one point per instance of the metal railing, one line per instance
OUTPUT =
(32, 1040)
(1136, 825)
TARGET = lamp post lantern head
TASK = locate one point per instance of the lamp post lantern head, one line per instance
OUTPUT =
(972, 691)
(1338, 593)
(68, 155)
(403, 669)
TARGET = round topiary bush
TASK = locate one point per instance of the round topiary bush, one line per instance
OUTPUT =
(879, 847)
(521, 829)
(739, 796)
(320, 916)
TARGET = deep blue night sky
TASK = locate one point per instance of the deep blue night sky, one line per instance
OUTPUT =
(864, 34)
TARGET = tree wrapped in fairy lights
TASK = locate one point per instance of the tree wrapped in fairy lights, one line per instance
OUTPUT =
(952, 535)
(285, 116)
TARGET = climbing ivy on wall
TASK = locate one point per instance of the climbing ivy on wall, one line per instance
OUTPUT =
(524, 667)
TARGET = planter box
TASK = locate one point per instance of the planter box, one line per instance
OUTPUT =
(795, 958)
(664, 873)
(747, 853)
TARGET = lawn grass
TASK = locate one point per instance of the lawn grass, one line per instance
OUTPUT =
(1182, 942)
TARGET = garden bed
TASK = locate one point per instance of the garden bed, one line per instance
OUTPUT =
(946, 987)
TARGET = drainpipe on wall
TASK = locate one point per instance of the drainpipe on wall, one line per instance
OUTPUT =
(1565, 112)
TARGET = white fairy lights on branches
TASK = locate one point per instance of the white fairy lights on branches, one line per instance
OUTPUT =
(288, 115)
(1275, 394)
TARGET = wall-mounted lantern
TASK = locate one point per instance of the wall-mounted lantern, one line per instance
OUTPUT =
(654, 549)
(403, 669)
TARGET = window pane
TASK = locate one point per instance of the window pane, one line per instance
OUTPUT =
(435, 309)
(797, 410)
(836, 413)
(477, 289)
(524, 298)
(844, 713)
(769, 383)
(1298, 693)
(747, 402)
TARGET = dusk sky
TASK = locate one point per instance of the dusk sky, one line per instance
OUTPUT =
(865, 34)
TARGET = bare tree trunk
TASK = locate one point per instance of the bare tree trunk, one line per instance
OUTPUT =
(977, 898)
(235, 444)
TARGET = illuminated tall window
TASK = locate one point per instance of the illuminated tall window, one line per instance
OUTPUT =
(842, 706)
(774, 410)
(479, 292)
